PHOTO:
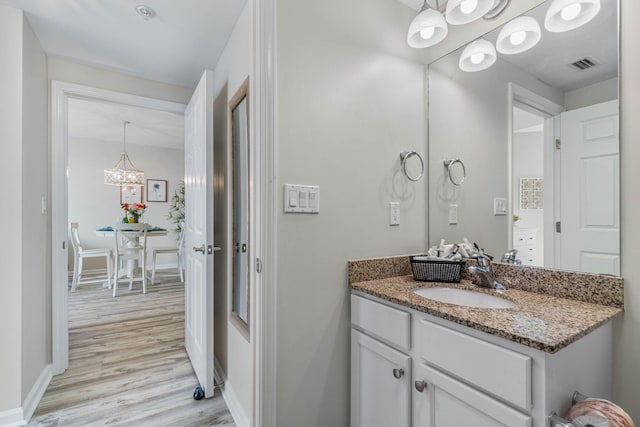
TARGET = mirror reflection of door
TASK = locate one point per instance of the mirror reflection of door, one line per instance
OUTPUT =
(240, 153)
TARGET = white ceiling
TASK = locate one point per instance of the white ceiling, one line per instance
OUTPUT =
(184, 38)
(103, 121)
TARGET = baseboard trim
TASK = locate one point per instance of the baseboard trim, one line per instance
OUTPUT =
(239, 416)
(12, 418)
(37, 391)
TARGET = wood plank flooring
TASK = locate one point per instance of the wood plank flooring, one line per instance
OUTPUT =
(127, 363)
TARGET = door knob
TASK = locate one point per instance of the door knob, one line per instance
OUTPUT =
(420, 385)
(200, 249)
(398, 373)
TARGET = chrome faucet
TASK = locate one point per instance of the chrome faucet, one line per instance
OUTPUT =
(510, 257)
(483, 274)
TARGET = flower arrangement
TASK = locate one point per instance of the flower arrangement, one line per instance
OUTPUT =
(133, 211)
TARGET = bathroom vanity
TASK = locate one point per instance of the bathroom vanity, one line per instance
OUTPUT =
(419, 362)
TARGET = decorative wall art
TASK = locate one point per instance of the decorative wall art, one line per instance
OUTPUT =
(531, 193)
(131, 194)
(156, 190)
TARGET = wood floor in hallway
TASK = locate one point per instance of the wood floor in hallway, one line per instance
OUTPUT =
(127, 363)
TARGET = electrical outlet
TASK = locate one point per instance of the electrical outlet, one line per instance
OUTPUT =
(453, 214)
(394, 213)
(499, 206)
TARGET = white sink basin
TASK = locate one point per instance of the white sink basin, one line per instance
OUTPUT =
(464, 297)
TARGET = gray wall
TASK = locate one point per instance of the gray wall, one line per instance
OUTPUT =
(11, 253)
(350, 98)
(627, 329)
(36, 248)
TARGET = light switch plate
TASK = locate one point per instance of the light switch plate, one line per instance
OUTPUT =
(453, 214)
(499, 206)
(394, 213)
(301, 198)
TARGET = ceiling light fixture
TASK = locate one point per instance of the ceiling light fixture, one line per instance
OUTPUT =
(518, 35)
(566, 15)
(460, 12)
(145, 11)
(120, 174)
(427, 28)
(477, 56)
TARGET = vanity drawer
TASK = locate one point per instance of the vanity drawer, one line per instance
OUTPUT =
(388, 323)
(524, 239)
(499, 371)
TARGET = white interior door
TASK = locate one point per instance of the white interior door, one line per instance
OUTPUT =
(198, 310)
(590, 211)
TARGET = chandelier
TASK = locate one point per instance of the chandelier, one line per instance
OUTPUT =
(124, 172)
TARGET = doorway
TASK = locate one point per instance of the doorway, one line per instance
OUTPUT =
(62, 94)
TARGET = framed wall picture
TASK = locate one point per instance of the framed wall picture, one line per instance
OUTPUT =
(131, 194)
(156, 190)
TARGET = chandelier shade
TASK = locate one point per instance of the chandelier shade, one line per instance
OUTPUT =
(124, 172)
(460, 12)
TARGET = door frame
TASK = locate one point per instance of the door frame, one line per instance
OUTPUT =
(61, 92)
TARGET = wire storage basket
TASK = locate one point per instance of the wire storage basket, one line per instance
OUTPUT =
(436, 270)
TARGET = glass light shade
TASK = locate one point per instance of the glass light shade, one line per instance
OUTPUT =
(427, 22)
(460, 12)
(518, 35)
(566, 15)
(477, 56)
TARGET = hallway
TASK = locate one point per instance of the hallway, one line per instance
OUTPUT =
(127, 363)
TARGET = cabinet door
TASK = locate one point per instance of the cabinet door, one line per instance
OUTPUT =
(380, 384)
(447, 402)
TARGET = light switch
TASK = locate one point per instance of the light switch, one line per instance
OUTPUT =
(313, 200)
(293, 198)
(303, 196)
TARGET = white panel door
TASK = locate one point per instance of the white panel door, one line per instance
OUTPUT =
(198, 310)
(590, 211)
(380, 384)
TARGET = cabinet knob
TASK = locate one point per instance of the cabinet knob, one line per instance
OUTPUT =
(420, 385)
(398, 373)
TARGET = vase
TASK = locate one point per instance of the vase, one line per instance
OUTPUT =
(132, 218)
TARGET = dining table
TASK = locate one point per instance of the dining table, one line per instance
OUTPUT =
(134, 236)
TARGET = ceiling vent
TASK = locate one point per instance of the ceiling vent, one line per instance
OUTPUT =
(585, 63)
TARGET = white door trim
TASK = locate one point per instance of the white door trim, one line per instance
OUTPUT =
(263, 119)
(61, 92)
(536, 104)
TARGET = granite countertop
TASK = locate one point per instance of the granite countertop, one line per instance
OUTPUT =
(544, 322)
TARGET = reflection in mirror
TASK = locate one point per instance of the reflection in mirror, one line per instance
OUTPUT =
(540, 129)
(239, 106)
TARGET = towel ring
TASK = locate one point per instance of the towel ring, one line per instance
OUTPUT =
(406, 155)
(449, 165)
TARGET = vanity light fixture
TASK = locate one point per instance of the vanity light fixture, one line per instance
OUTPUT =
(518, 35)
(460, 12)
(566, 15)
(121, 173)
(477, 56)
(428, 28)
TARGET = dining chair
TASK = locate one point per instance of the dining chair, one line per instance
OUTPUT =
(80, 253)
(178, 250)
(130, 246)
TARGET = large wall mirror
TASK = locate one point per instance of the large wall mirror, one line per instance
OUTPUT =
(239, 126)
(538, 134)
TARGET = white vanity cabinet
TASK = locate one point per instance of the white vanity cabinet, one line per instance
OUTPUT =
(380, 370)
(455, 376)
(526, 242)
